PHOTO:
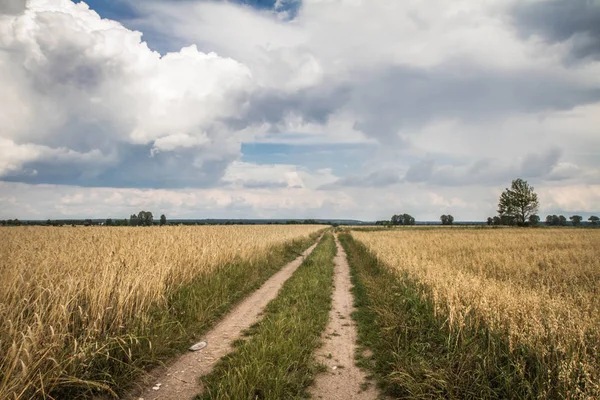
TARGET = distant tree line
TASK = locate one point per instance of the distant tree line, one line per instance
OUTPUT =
(398, 219)
(146, 220)
(298, 222)
(62, 222)
(143, 218)
(551, 220)
(576, 220)
(11, 222)
(407, 219)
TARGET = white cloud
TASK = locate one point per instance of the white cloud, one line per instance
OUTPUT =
(248, 175)
(256, 176)
(178, 140)
(86, 85)
(570, 198)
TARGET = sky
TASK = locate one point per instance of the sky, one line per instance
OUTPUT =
(297, 108)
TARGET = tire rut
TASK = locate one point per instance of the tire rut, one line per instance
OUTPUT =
(343, 379)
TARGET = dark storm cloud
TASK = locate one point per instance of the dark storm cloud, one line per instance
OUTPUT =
(482, 172)
(387, 100)
(535, 165)
(561, 20)
(315, 105)
(403, 97)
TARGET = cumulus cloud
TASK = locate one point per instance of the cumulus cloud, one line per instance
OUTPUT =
(77, 83)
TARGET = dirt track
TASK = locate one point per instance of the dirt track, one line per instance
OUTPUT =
(179, 380)
(343, 379)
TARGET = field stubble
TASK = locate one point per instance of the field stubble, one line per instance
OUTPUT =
(85, 307)
(533, 288)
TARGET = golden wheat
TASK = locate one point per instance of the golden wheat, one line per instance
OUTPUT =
(537, 288)
(101, 282)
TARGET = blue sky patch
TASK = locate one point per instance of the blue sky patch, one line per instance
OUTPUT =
(120, 10)
(112, 9)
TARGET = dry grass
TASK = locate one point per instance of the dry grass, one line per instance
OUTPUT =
(72, 296)
(536, 288)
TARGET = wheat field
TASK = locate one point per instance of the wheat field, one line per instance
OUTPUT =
(70, 295)
(533, 287)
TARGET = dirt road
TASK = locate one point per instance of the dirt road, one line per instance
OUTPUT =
(343, 379)
(179, 380)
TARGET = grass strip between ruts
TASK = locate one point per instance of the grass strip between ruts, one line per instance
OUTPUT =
(415, 356)
(276, 361)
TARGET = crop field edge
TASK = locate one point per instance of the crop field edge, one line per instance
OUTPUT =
(192, 310)
(415, 356)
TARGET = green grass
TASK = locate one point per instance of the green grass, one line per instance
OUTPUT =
(169, 329)
(414, 355)
(276, 361)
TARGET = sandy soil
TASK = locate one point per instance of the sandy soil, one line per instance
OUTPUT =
(343, 379)
(179, 380)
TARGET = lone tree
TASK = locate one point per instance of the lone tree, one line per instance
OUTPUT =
(518, 203)
(593, 220)
(447, 219)
(163, 220)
